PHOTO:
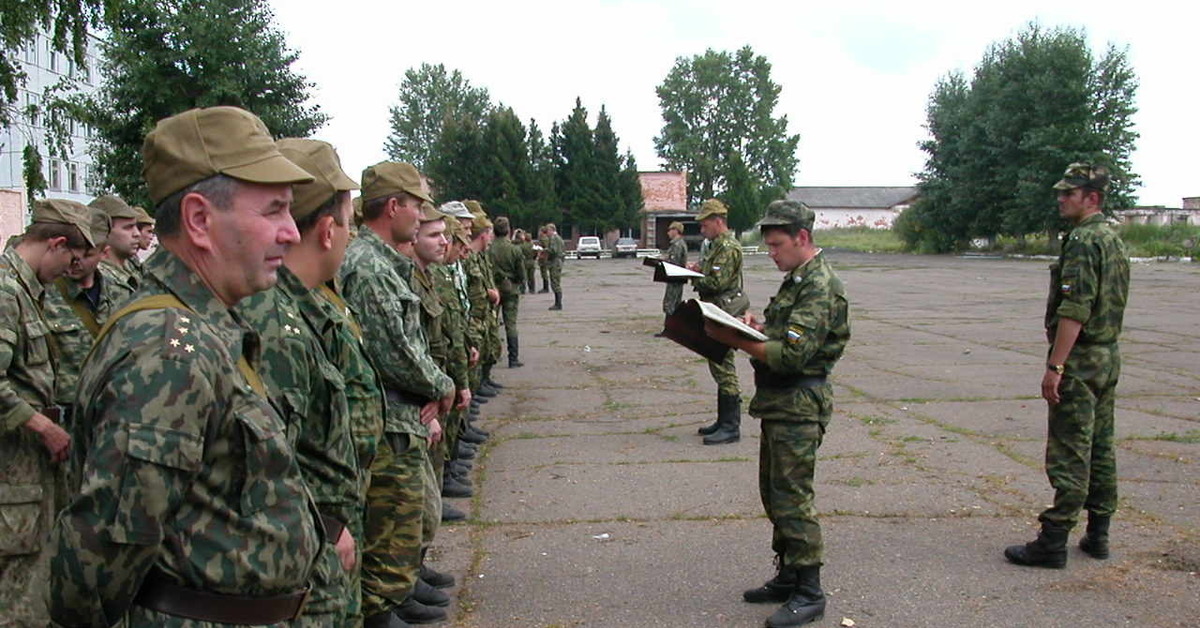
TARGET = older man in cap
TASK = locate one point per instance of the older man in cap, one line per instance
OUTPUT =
(377, 281)
(721, 285)
(192, 509)
(33, 440)
(807, 326)
(1089, 287)
(120, 266)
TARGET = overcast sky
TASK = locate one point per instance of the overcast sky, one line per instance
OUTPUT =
(856, 76)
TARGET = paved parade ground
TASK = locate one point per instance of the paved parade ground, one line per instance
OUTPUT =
(596, 504)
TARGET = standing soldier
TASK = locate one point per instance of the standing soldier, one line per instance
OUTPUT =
(120, 266)
(676, 254)
(555, 252)
(487, 274)
(1089, 287)
(33, 441)
(146, 239)
(531, 255)
(509, 271)
(807, 326)
(192, 508)
(721, 285)
(542, 253)
(377, 282)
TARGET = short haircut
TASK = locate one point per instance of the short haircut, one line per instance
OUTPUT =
(331, 207)
(373, 208)
(44, 231)
(218, 189)
(500, 227)
(791, 229)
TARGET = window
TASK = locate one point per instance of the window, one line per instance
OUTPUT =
(31, 52)
(33, 105)
(73, 176)
(54, 173)
(87, 71)
(51, 56)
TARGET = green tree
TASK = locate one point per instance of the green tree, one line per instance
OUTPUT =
(575, 159)
(606, 175)
(505, 157)
(541, 199)
(430, 95)
(35, 181)
(1035, 103)
(455, 165)
(715, 105)
(167, 56)
(630, 201)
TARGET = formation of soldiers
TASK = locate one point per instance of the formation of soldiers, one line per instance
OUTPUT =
(257, 425)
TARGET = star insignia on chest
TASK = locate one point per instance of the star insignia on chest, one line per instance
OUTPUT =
(185, 320)
(174, 342)
(182, 330)
(189, 348)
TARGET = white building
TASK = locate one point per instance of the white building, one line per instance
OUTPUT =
(873, 207)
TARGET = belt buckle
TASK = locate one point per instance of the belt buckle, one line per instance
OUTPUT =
(303, 602)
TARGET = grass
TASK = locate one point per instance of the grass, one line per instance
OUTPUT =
(1190, 437)
(1140, 240)
(860, 239)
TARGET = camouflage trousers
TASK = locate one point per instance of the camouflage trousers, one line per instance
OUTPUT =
(1080, 456)
(786, 464)
(455, 422)
(32, 491)
(509, 306)
(334, 596)
(531, 276)
(393, 530)
(544, 269)
(725, 374)
(555, 277)
(672, 297)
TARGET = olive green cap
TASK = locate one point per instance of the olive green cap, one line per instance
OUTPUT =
(429, 213)
(479, 225)
(143, 217)
(678, 226)
(201, 143)
(392, 177)
(784, 213)
(114, 206)
(64, 212)
(1084, 175)
(475, 208)
(321, 161)
(457, 231)
(712, 207)
(101, 225)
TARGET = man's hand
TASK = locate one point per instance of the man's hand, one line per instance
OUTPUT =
(464, 399)
(473, 356)
(435, 432)
(493, 296)
(54, 438)
(694, 267)
(1050, 382)
(429, 411)
(445, 403)
(752, 321)
(345, 549)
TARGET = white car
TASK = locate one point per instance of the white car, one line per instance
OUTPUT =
(588, 246)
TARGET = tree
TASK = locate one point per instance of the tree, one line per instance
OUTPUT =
(541, 199)
(630, 201)
(166, 56)
(455, 164)
(575, 160)
(717, 105)
(429, 96)
(1035, 103)
(505, 157)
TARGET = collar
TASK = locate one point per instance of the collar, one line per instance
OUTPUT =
(172, 275)
(798, 273)
(25, 274)
(400, 262)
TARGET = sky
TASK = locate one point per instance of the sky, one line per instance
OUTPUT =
(855, 76)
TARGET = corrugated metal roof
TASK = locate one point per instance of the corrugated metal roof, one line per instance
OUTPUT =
(853, 197)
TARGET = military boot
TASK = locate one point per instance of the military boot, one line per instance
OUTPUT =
(1095, 541)
(415, 612)
(433, 577)
(715, 425)
(451, 514)
(464, 452)
(729, 421)
(777, 590)
(1049, 549)
(428, 595)
(386, 619)
(485, 392)
(557, 302)
(514, 350)
(545, 287)
(453, 488)
(807, 601)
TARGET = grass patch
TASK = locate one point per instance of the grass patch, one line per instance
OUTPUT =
(1141, 241)
(1190, 437)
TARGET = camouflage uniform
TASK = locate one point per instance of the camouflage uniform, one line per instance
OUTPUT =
(433, 317)
(530, 258)
(189, 479)
(122, 282)
(722, 286)
(490, 353)
(1090, 284)
(676, 254)
(479, 331)
(454, 328)
(508, 266)
(376, 284)
(555, 251)
(808, 326)
(543, 261)
(309, 390)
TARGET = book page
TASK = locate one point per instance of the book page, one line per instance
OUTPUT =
(718, 315)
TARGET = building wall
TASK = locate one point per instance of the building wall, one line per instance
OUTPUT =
(832, 218)
(12, 214)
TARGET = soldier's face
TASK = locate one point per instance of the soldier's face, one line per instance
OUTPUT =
(786, 251)
(1075, 204)
(124, 238)
(87, 264)
(431, 244)
(248, 240)
(710, 227)
(145, 237)
(57, 260)
(339, 235)
(407, 219)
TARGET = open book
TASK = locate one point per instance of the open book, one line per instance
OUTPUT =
(666, 272)
(686, 327)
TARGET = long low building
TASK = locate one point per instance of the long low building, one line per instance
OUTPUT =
(873, 207)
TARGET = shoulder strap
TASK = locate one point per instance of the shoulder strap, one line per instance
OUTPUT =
(84, 313)
(340, 303)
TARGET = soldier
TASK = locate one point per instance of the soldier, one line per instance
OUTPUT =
(721, 285)
(302, 378)
(147, 241)
(676, 254)
(807, 325)
(543, 265)
(192, 509)
(484, 271)
(530, 255)
(120, 267)
(555, 251)
(1089, 287)
(403, 504)
(33, 442)
(509, 265)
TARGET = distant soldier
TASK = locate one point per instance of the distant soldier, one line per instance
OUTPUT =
(676, 254)
(509, 269)
(120, 266)
(530, 254)
(483, 270)
(543, 243)
(555, 254)
(147, 240)
(1089, 287)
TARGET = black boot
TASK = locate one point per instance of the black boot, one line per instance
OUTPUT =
(545, 286)
(471, 436)
(453, 488)
(435, 578)
(715, 425)
(807, 602)
(557, 302)
(777, 590)
(729, 421)
(1095, 542)
(493, 383)
(415, 612)
(386, 619)
(484, 392)
(514, 349)
(450, 513)
(1049, 549)
(464, 452)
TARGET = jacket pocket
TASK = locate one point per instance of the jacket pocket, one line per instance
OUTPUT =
(21, 519)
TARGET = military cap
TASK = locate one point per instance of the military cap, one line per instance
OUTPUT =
(712, 207)
(456, 209)
(200, 143)
(784, 213)
(143, 217)
(479, 225)
(1084, 175)
(321, 161)
(392, 177)
(429, 213)
(64, 212)
(678, 226)
(502, 221)
(475, 208)
(457, 231)
(114, 206)
(101, 225)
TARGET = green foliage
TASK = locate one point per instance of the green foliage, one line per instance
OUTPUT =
(166, 56)
(35, 182)
(575, 158)
(1035, 103)
(1179, 240)
(429, 96)
(455, 164)
(505, 157)
(719, 124)
(542, 200)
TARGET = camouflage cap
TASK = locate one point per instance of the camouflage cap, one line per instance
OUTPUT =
(456, 209)
(429, 213)
(143, 217)
(64, 212)
(457, 231)
(101, 225)
(392, 177)
(114, 206)
(321, 161)
(1084, 175)
(200, 143)
(475, 208)
(479, 225)
(712, 207)
(784, 213)
(678, 226)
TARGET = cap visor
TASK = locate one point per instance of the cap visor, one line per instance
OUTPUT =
(273, 169)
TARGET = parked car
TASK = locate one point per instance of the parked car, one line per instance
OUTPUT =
(625, 247)
(588, 246)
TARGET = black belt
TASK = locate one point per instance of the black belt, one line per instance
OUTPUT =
(400, 396)
(54, 413)
(333, 528)
(764, 378)
(159, 593)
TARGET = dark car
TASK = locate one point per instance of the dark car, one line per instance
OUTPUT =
(625, 247)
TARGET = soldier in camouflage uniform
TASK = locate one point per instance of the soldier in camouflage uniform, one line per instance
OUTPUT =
(525, 243)
(1089, 287)
(192, 509)
(377, 283)
(807, 325)
(543, 265)
(509, 271)
(482, 242)
(555, 254)
(120, 267)
(676, 254)
(452, 290)
(33, 441)
(721, 285)
(303, 379)
(146, 240)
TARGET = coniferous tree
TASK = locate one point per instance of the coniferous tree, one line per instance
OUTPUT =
(505, 157)
(578, 193)
(541, 200)
(455, 166)
(429, 96)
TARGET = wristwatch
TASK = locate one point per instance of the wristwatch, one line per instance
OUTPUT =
(1057, 368)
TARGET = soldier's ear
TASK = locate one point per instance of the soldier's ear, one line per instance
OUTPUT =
(324, 232)
(196, 213)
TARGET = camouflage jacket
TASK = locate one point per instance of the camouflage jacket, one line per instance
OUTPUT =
(807, 325)
(375, 282)
(187, 467)
(528, 252)
(308, 389)
(27, 349)
(508, 266)
(555, 249)
(1090, 282)
(433, 315)
(722, 268)
(454, 324)
(478, 305)
(75, 320)
(677, 252)
(122, 282)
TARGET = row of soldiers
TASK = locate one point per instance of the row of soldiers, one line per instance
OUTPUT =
(257, 426)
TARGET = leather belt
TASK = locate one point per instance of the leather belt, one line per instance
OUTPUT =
(764, 378)
(54, 413)
(400, 396)
(158, 593)
(333, 528)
